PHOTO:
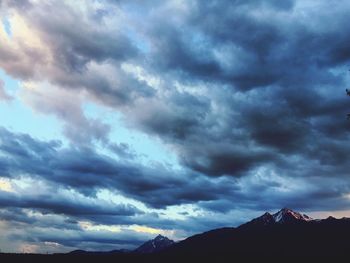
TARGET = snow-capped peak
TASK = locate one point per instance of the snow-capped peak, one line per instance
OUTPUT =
(286, 214)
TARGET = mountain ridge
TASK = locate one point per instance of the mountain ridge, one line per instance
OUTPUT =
(285, 215)
(283, 233)
(286, 233)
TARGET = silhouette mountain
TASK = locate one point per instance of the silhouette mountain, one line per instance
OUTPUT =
(284, 234)
(155, 245)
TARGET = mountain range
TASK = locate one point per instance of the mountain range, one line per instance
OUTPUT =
(286, 235)
(155, 245)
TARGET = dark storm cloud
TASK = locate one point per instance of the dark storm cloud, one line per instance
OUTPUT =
(283, 68)
(229, 45)
(68, 239)
(19, 217)
(101, 240)
(93, 45)
(180, 118)
(227, 28)
(61, 205)
(87, 171)
(15, 215)
(258, 50)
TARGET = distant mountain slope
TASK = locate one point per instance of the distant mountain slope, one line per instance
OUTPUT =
(112, 252)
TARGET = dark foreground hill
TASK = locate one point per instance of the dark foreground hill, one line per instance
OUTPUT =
(286, 236)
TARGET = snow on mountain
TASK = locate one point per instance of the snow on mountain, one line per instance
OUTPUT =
(288, 215)
(285, 215)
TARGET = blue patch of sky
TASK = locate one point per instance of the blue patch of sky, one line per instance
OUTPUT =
(149, 150)
(139, 42)
(18, 117)
(7, 26)
(11, 85)
(137, 16)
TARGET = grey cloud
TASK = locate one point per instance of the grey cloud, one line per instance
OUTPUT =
(94, 240)
(122, 150)
(19, 216)
(60, 205)
(68, 239)
(87, 171)
(15, 215)
(16, 3)
(177, 120)
(72, 40)
(264, 84)
(67, 107)
(283, 85)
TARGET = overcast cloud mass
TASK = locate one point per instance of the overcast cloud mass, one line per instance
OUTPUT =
(171, 117)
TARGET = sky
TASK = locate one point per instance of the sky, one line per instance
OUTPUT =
(124, 119)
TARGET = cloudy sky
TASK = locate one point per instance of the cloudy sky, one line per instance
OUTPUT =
(121, 120)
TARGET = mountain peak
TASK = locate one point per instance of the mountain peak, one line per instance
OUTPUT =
(288, 215)
(154, 245)
(160, 238)
(285, 215)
